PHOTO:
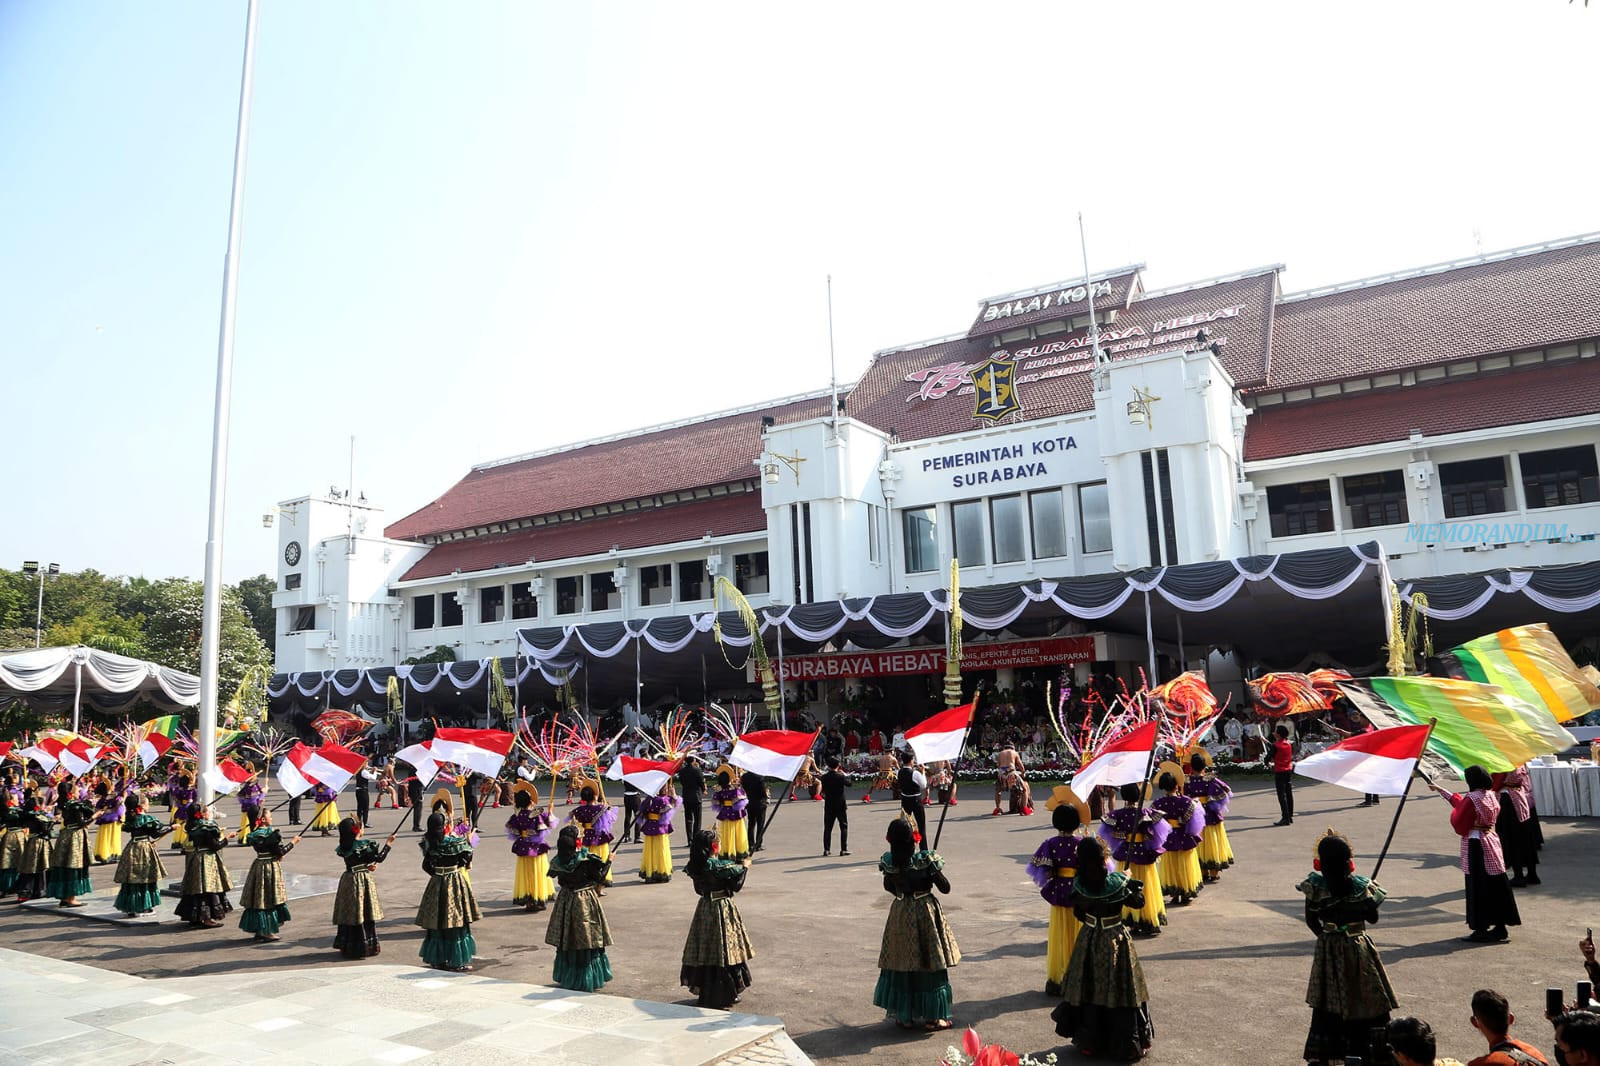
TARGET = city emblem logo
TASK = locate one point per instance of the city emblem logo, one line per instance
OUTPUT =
(994, 382)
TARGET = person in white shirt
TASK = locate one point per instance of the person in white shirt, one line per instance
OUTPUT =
(1233, 732)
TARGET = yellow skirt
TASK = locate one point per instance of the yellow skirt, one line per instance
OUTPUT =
(1064, 926)
(180, 835)
(1180, 872)
(531, 882)
(733, 836)
(656, 865)
(244, 825)
(108, 842)
(327, 816)
(1153, 915)
(604, 851)
(1215, 851)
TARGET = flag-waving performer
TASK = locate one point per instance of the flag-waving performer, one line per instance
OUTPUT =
(264, 898)
(1491, 904)
(1104, 1008)
(529, 830)
(717, 951)
(448, 907)
(578, 929)
(918, 949)
(356, 907)
(140, 870)
(206, 883)
(69, 859)
(1053, 866)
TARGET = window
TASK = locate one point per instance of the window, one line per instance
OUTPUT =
(1304, 507)
(291, 582)
(1094, 516)
(1375, 500)
(750, 573)
(655, 585)
(449, 609)
(569, 595)
(1560, 477)
(692, 580)
(492, 604)
(1477, 486)
(524, 604)
(305, 618)
(603, 594)
(1049, 524)
(422, 612)
(922, 540)
(1008, 522)
(972, 545)
(874, 534)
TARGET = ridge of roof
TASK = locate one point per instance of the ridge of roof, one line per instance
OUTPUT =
(644, 431)
(1440, 268)
(914, 345)
(1206, 283)
(1036, 290)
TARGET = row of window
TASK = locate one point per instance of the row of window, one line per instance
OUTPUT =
(683, 582)
(1008, 529)
(1554, 478)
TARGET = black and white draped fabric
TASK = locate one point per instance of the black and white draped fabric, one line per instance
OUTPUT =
(1469, 605)
(57, 679)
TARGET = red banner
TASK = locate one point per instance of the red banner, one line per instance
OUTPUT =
(1047, 651)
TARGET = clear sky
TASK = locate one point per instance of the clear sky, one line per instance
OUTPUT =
(475, 230)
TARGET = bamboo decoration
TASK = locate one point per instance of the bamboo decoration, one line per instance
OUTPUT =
(952, 656)
(1405, 627)
(747, 614)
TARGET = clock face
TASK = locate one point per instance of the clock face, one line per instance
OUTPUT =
(291, 554)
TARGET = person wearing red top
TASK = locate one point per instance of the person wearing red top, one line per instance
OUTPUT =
(1492, 1018)
(874, 742)
(852, 742)
(1283, 775)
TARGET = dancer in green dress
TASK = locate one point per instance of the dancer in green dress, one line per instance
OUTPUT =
(578, 929)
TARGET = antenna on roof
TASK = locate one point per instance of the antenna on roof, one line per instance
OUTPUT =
(833, 373)
(1100, 361)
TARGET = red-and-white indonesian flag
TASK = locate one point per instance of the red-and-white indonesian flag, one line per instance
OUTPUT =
(481, 750)
(421, 757)
(646, 775)
(938, 738)
(773, 752)
(227, 777)
(1379, 762)
(332, 765)
(1121, 762)
(5, 747)
(291, 774)
(151, 748)
(46, 752)
(79, 756)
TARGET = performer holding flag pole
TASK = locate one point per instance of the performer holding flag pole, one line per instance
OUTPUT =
(773, 753)
(942, 738)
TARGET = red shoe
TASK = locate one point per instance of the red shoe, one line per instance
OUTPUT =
(996, 810)
(1027, 810)
(867, 798)
(816, 799)
(952, 801)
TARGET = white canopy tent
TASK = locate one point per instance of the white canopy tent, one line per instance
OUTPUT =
(56, 678)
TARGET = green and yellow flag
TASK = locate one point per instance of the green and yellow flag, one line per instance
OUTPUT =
(1529, 662)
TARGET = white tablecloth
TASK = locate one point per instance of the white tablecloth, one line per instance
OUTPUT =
(1566, 790)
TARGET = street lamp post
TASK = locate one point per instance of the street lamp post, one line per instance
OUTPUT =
(31, 566)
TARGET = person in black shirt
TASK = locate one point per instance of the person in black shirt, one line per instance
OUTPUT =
(912, 783)
(469, 791)
(363, 795)
(755, 790)
(835, 808)
(691, 789)
(630, 811)
(833, 744)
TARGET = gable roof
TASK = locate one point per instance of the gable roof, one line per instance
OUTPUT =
(716, 450)
(1510, 301)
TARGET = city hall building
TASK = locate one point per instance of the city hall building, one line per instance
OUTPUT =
(1440, 422)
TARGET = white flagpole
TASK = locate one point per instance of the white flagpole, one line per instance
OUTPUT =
(211, 609)
(1094, 327)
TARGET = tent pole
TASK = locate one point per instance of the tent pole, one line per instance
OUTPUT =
(1150, 641)
(77, 696)
(783, 702)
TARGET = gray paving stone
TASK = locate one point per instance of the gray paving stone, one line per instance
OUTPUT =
(439, 1035)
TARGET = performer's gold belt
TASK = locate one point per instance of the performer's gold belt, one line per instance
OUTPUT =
(653, 817)
(1101, 923)
(1353, 929)
(1066, 871)
(914, 895)
(719, 895)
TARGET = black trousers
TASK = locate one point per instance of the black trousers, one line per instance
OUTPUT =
(472, 803)
(630, 816)
(1284, 780)
(691, 818)
(912, 805)
(294, 811)
(758, 825)
(416, 814)
(831, 814)
(363, 804)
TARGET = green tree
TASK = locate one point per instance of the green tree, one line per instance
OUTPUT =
(256, 595)
(113, 633)
(172, 610)
(442, 653)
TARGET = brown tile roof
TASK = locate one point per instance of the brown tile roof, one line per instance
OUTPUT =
(713, 451)
(1522, 301)
(1559, 390)
(900, 390)
(1054, 301)
(677, 523)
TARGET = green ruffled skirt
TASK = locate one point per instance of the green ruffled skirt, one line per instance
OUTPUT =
(67, 883)
(265, 922)
(582, 970)
(451, 949)
(137, 898)
(912, 997)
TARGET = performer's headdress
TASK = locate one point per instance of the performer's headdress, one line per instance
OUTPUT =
(524, 789)
(1177, 771)
(731, 770)
(442, 798)
(1065, 797)
(1200, 761)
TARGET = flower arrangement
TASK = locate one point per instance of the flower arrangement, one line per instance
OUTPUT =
(974, 1052)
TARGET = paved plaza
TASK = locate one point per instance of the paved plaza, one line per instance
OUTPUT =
(1227, 977)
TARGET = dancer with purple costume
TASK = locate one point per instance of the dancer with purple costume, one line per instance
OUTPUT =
(1179, 865)
(1135, 836)
(327, 817)
(108, 813)
(529, 830)
(1052, 868)
(1216, 854)
(730, 802)
(251, 795)
(655, 818)
(595, 822)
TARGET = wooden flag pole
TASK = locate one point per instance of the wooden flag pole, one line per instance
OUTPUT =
(945, 808)
(1395, 822)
